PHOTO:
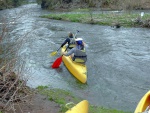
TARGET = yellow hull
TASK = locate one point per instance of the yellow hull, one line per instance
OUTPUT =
(143, 103)
(81, 107)
(76, 69)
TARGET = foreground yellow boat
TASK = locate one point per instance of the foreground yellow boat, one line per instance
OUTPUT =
(81, 107)
(143, 104)
(76, 69)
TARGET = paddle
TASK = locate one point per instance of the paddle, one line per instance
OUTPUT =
(58, 61)
(55, 52)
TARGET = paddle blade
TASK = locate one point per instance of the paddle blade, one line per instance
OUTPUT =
(53, 53)
(57, 62)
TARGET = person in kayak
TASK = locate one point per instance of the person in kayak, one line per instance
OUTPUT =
(70, 41)
(78, 53)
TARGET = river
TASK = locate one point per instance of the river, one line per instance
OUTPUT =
(118, 59)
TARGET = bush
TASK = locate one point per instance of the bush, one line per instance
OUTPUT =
(4, 4)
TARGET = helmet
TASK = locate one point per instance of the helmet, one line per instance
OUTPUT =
(70, 35)
(79, 41)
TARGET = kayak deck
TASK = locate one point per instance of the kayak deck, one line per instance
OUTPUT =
(81, 107)
(143, 103)
(78, 70)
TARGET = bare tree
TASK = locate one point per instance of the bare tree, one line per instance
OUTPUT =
(13, 89)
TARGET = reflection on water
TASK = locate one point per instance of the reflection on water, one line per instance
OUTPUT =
(118, 59)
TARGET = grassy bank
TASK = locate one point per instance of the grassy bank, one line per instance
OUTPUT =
(110, 19)
(62, 97)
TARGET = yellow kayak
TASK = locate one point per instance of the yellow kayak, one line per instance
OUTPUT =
(81, 107)
(143, 104)
(78, 70)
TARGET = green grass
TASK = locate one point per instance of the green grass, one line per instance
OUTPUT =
(95, 109)
(59, 96)
(67, 17)
(62, 97)
(124, 19)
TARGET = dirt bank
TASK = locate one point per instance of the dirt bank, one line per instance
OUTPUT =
(39, 104)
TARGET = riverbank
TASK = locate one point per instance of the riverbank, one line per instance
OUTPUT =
(44, 100)
(59, 98)
(112, 18)
(20, 99)
(4, 4)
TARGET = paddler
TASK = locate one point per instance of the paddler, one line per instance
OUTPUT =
(70, 41)
(78, 53)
